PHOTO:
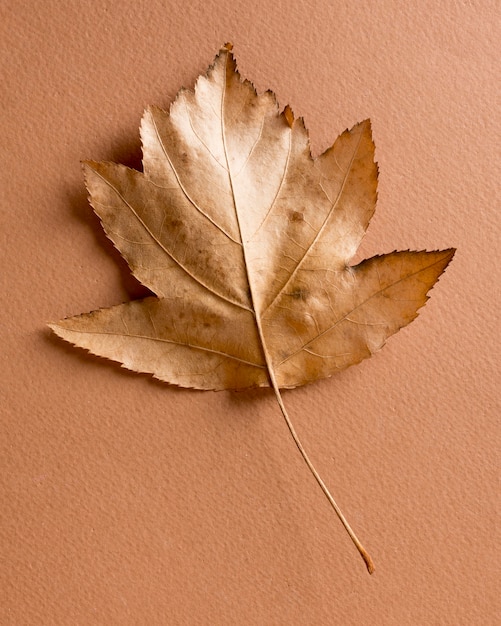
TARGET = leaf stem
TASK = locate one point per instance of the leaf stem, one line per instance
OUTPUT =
(363, 552)
(268, 360)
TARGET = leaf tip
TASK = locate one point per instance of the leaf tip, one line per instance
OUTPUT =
(56, 329)
(88, 166)
(446, 257)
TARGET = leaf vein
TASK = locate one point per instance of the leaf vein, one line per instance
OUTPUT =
(185, 192)
(320, 231)
(166, 251)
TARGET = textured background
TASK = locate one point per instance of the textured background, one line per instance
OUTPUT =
(125, 501)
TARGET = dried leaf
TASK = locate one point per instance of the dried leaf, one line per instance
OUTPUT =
(246, 242)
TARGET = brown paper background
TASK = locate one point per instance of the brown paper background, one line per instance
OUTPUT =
(125, 501)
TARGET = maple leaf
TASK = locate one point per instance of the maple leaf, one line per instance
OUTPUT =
(246, 241)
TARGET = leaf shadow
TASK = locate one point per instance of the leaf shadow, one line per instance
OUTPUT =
(244, 398)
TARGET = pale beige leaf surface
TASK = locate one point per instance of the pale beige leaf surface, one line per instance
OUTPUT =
(246, 240)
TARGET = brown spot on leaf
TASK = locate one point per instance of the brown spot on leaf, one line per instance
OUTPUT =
(300, 294)
(289, 115)
(296, 216)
